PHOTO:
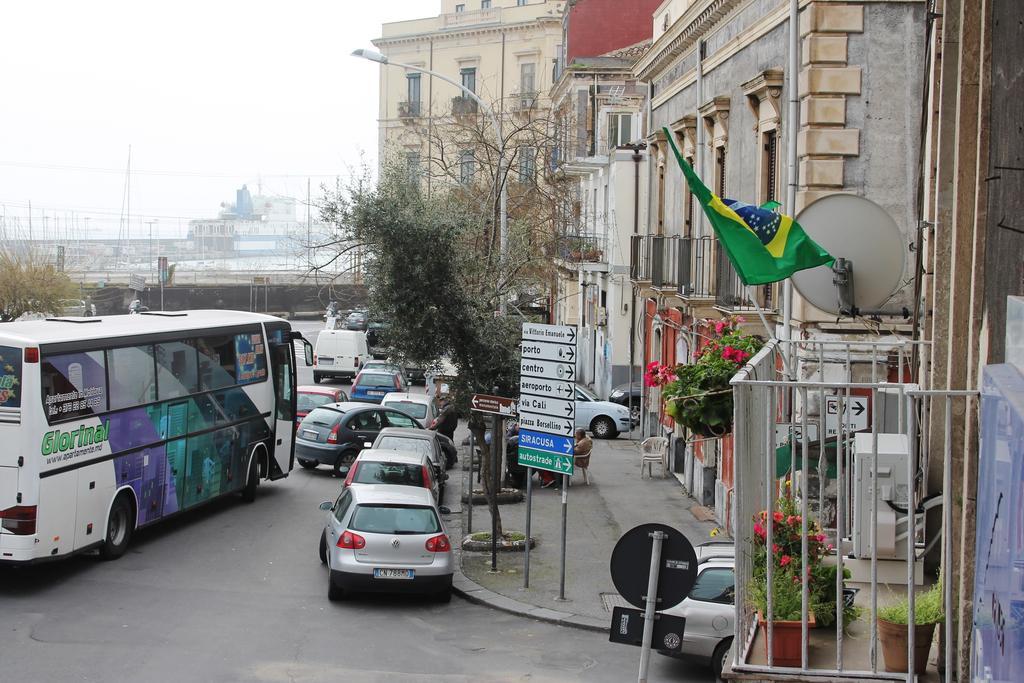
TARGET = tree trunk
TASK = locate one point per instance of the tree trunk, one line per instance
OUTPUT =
(486, 473)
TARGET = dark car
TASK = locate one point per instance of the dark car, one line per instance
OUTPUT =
(376, 338)
(334, 434)
(621, 395)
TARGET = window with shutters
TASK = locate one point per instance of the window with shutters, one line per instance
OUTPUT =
(770, 191)
(467, 167)
(620, 130)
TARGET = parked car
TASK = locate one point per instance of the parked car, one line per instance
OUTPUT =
(709, 609)
(603, 418)
(401, 468)
(309, 396)
(386, 366)
(357, 320)
(372, 385)
(420, 406)
(417, 441)
(335, 433)
(385, 538)
(77, 307)
(339, 353)
(376, 338)
(622, 395)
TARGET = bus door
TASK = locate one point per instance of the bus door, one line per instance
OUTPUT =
(282, 367)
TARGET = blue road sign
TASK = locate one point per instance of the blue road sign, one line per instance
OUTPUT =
(552, 443)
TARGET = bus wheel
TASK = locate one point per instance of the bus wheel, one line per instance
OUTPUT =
(252, 480)
(120, 525)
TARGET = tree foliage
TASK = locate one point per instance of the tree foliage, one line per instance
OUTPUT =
(28, 284)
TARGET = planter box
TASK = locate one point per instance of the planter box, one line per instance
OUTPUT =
(787, 638)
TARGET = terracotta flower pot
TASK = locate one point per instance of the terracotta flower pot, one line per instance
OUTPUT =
(786, 639)
(894, 646)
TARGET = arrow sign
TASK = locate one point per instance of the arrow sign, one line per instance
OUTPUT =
(547, 369)
(497, 405)
(546, 424)
(547, 406)
(545, 460)
(564, 334)
(853, 419)
(564, 353)
(546, 387)
(553, 443)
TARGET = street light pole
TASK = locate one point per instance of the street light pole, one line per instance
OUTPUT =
(500, 185)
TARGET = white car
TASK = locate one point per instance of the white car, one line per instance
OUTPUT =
(709, 609)
(419, 406)
(603, 418)
(385, 538)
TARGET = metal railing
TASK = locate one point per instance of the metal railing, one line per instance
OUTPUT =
(732, 294)
(582, 248)
(871, 423)
(666, 253)
(696, 265)
(464, 106)
(408, 109)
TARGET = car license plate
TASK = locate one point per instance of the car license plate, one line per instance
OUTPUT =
(394, 574)
(376, 393)
(310, 434)
(325, 361)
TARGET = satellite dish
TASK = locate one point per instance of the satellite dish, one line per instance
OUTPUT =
(867, 245)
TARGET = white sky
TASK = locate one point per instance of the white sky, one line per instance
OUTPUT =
(210, 94)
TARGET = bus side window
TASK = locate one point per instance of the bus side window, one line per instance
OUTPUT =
(132, 373)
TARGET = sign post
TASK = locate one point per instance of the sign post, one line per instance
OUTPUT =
(498, 407)
(547, 412)
(670, 575)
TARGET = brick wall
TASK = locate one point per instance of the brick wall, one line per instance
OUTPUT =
(599, 26)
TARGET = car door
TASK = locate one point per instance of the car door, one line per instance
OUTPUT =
(336, 517)
(364, 427)
(585, 410)
(708, 610)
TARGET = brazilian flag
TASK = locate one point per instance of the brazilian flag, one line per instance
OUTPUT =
(764, 246)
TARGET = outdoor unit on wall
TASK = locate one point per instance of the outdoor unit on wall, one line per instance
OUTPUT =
(602, 316)
(893, 489)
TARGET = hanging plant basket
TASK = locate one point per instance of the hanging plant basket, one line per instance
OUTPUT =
(708, 414)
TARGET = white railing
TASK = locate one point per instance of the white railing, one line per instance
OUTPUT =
(837, 389)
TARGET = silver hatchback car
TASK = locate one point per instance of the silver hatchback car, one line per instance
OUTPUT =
(386, 538)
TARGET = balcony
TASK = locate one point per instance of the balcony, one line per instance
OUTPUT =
(523, 102)
(732, 295)
(464, 106)
(581, 249)
(696, 265)
(408, 110)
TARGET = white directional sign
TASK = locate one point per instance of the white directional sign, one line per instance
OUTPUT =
(547, 369)
(547, 406)
(545, 424)
(855, 414)
(782, 432)
(564, 334)
(564, 353)
(552, 388)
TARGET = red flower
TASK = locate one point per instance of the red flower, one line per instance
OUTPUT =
(758, 529)
(777, 516)
(775, 547)
(784, 560)
(820, 538)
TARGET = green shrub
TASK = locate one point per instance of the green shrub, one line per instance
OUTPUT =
(927, 608)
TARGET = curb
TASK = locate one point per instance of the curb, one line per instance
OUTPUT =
(470, 590)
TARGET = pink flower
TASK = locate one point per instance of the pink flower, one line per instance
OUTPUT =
(820, 538)
(740, 319)
(759, 530)
(720, 326)
(784, 560)
(777, 516)
(775, 547)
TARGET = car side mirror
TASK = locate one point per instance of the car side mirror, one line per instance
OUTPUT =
(326, 505)
(444, 510)
(307, 348)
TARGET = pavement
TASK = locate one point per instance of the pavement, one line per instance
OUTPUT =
(616, 500)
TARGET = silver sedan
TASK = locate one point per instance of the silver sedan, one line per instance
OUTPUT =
(386, 538)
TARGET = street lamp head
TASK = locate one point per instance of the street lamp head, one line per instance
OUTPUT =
(371, 55)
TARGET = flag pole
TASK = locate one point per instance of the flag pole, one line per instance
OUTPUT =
(792, 168)
(768, 329)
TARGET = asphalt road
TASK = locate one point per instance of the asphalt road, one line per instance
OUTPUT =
(235, 592)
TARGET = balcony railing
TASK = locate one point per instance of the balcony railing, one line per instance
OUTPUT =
(696, 267)
(666, 274)
(408, 110)
(730, 292)
(582, 248)
(463, 106)
(523, 102)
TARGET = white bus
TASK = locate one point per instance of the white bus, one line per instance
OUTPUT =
(108, 424)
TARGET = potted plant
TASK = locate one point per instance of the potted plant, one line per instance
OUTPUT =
(698, 395)
(789, 577)
(892, 629)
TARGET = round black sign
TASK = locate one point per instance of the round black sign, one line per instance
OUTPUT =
(631, 566)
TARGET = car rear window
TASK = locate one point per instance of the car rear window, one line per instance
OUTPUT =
(306, 402)
(377, 379)
(323, 416)
(395, 519)
(417, 410)
(403, 474)
(397, 443)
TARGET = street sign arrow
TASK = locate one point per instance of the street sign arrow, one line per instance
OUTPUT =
(547, 406)
(564, 334)
(563, 353)
(545, 423)
(551, 388)
(553, 443)
(547, 369)
(858, 408)
(545, 460)
(498, 405)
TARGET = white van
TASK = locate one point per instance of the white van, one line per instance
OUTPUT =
(339, 353)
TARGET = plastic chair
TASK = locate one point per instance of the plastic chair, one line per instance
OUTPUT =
(654, 450)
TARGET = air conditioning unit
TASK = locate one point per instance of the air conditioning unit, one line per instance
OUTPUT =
(893, 490)
(602, 316)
